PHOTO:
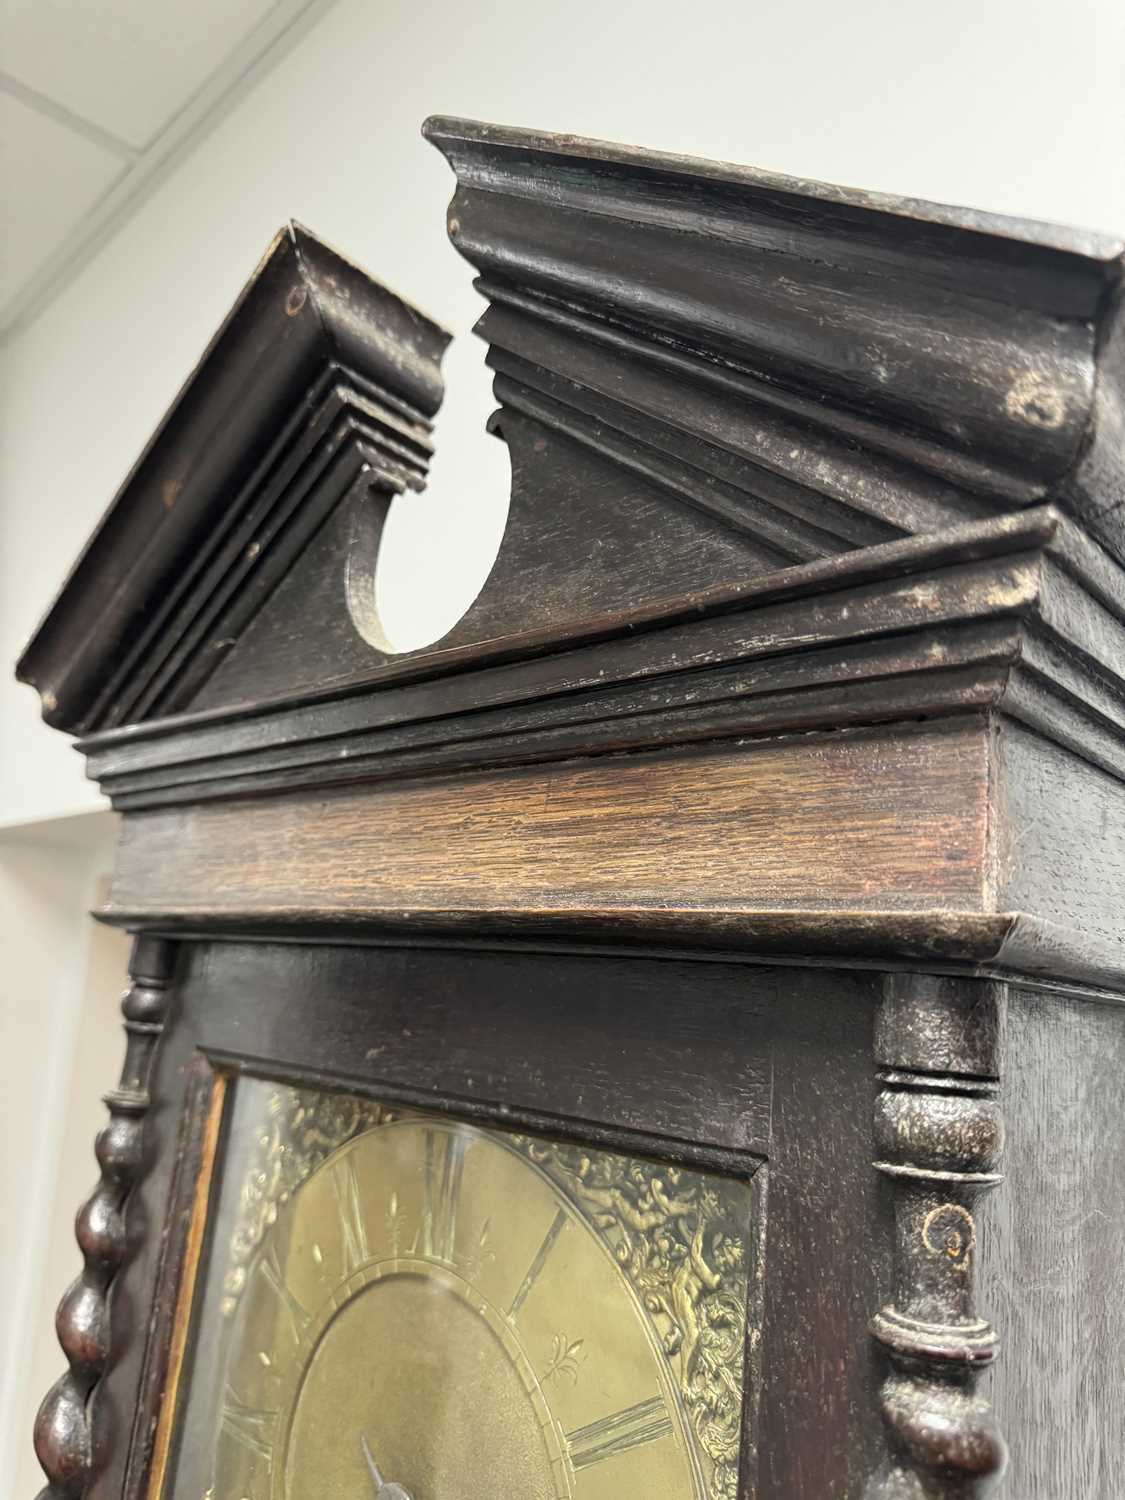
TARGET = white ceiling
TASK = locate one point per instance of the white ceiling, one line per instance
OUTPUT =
(98, 99)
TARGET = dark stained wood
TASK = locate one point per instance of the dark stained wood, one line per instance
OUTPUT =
(628, 532)
(958, 352)
(1059, 839)
(179, 1243)
(726, 1066)
(730, 827)
(622, 1036)
(954, 603)
(741, 400)
(766, 811)
(943, 630)
(819, 1380)
(1055, 1246)
(185, 1238)
(317, 377)
(938, 1134)
(917, 839)
(146, 1290)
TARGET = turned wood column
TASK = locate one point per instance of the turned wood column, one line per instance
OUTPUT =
(939, 1137)
(66, 1429)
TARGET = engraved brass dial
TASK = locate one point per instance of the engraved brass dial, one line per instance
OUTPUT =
(438, 1311)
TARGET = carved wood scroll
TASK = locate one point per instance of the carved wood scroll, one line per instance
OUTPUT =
(818, 367)
(66, 1427)
(939, 1135)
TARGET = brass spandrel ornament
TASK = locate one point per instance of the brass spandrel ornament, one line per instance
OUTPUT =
(681, 1238)
(414, 1308)
(299, 1129)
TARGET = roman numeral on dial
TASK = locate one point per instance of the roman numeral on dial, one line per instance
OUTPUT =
(444, 1165)
(558, 1224)
(353, 1231)
(618, 1433)
(295, 1314)
(251, 1426)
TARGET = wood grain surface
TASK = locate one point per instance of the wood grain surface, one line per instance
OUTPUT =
(875, 821)
(1054, 1249)
(695, 1063)
(1059, 838)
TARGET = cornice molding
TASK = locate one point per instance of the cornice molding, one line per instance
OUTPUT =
(1022, 616)
(912, 364)
(712, 382)
(318, 376)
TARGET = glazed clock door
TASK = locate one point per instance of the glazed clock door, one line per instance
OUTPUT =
(403, 1305)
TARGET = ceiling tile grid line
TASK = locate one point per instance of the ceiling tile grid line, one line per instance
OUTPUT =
(90, 129)
(76, 160)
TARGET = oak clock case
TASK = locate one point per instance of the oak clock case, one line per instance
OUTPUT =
(666, 1036)
(398, 1298)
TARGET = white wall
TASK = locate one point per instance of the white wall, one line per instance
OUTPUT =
(1015, 105)
(60, 1049)
(1005, 104)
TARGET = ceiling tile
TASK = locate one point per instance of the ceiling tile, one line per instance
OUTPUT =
(49, 178)
(126, 65)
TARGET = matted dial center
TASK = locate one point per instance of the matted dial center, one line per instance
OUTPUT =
(439, 1388)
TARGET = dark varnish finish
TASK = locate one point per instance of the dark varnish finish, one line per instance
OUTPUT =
(990, 615)
(319, 379)
(766, 811)
(1054, 1248)
(939, 1134)
(737, 1068)
(916, 363)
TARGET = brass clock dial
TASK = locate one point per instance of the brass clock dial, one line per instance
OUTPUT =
(436, 1311)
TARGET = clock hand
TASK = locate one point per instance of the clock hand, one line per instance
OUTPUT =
(383, 1489)
(371, 1464)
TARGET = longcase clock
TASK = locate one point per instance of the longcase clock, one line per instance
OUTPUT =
(572, 1061)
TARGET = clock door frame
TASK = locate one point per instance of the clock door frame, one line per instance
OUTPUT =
(704, 1063)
